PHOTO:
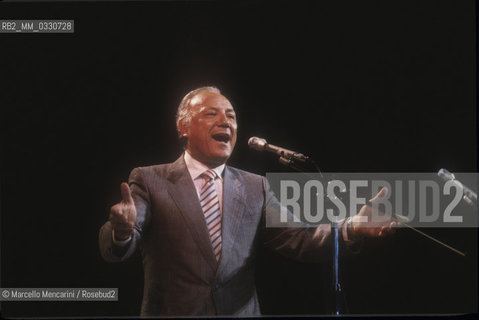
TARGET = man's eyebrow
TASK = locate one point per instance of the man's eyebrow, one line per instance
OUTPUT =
(216, 109)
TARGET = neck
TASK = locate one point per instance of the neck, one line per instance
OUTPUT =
(209, 163)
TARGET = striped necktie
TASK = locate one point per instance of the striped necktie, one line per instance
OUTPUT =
(211, 208)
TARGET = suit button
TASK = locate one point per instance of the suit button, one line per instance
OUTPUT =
(217, 286)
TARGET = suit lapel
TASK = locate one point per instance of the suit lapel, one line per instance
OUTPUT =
(183, 191)
(233, 211)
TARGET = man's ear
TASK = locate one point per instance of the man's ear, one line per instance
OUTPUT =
(183, 130)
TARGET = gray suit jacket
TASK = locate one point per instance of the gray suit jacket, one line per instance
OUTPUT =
(182, 276)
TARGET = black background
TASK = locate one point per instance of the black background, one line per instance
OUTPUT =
(360, 86)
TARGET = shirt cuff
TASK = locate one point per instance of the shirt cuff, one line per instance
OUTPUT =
(346, 225)
(120, 243)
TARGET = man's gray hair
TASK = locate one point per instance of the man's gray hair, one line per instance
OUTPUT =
(183, 114)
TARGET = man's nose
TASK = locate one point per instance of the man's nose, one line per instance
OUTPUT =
(223, 120)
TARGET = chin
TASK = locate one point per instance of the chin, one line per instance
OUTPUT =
(219, 159)
(222, 159)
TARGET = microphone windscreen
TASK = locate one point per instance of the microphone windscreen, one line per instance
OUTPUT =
(257, 143)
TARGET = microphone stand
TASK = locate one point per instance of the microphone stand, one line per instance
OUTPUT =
(340, 298)
(300, 162)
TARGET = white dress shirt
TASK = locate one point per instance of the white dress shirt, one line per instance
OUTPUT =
(196, 169)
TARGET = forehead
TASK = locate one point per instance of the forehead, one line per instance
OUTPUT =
(210, 99)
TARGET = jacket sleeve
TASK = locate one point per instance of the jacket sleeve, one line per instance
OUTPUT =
(112, 252)
(299, 240)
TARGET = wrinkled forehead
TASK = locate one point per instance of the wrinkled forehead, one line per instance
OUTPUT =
(210, 99)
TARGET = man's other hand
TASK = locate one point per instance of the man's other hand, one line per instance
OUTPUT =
(372, 228)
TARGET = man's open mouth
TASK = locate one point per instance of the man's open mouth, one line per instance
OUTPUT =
(221, 137)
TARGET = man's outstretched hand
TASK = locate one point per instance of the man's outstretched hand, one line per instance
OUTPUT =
(372, 228)
(123, 215)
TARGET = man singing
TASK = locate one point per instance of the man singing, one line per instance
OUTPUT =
(199, 223)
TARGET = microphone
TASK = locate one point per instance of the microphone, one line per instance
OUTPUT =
(470, 197)
(285, 154)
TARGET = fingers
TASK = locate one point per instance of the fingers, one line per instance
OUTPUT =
(401, 218)
(392, 227)
(120, 215)
(382, 231)
(388, 229)
(381, 194)
(126, 193)
(119, 221)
